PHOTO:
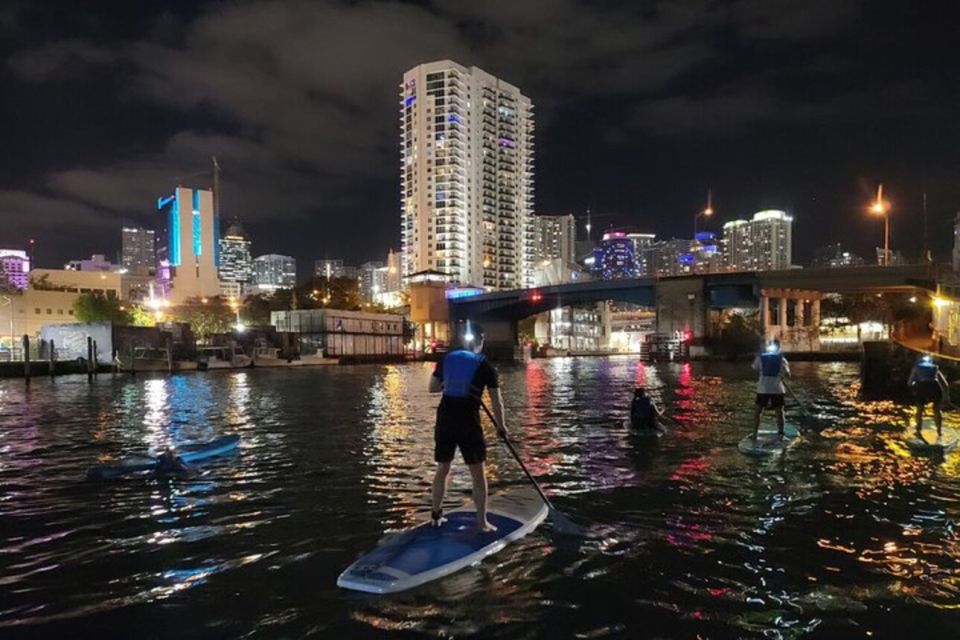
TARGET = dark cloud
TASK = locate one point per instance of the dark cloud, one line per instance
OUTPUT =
(298, 101)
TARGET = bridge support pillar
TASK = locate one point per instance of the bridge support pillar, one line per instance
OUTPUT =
(500, 339)
(796, 322)
(681, 307)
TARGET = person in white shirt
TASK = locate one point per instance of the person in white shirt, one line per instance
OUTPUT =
(773, 367)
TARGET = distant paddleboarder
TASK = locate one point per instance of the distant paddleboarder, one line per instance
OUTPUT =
(644, 413)
(929, 386)
(462, 376)
(773, 367)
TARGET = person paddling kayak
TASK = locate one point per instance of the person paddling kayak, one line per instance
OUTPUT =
(644, 413)
(929, 386)
(462, 376)
(773, 367)
(169, 462)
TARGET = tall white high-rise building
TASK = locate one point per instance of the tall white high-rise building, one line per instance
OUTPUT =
(555, 237)
(236, 265)
(467, 149)
(762, 244)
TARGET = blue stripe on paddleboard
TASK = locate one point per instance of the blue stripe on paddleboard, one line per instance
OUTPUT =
(427, 547)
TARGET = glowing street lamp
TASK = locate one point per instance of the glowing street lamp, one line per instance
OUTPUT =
(881, 207)
(706, 213)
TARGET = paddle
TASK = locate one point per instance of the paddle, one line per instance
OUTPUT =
(561, 523)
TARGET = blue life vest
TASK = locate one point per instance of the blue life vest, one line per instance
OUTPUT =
(459, 368)
(770, 364)
(926, 372)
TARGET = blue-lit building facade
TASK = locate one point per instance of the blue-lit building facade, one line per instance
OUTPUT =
(614, 257)
(188, 246)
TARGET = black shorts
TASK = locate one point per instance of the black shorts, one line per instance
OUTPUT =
(458, 426)
(769, 400)
(928, 391)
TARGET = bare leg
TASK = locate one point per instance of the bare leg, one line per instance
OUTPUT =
(757, 410)
(938, 418)
(479, 475)
(440, 485)
(919, 417)
(780, 421)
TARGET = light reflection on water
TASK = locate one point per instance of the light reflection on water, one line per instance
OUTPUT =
(848, 534)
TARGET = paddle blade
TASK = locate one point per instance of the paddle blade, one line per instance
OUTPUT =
(565, 526)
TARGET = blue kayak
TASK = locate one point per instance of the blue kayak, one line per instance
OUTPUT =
(191, 454)
(426, 553)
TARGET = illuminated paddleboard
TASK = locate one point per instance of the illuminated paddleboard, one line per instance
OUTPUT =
(426, 553)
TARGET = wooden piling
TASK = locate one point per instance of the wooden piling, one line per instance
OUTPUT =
(89, 359)
(52, 359)
(96, 364)
(169, 344)
(26, 358)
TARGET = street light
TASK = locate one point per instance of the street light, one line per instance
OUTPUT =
(706, 213)
(880, 207)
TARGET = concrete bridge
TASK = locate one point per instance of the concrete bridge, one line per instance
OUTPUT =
(787, 300)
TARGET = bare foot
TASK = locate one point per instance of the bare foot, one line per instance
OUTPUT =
(486, 527)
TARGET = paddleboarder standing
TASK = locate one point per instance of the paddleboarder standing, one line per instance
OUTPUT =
(462, 375)
(773, 367)
(929, 386)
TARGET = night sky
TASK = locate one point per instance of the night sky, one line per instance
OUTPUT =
(802, 105)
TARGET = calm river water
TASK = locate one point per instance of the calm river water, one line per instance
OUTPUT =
(848, 536)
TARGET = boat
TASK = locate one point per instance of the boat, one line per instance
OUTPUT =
(425, 553)
(191, 454)
(222, 358)
(153, 359)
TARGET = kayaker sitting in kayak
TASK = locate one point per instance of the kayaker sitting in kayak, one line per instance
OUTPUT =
(169, 462)
(644, 413)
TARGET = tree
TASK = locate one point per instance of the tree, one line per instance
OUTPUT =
(739, 335)
(256, 310)
(96, 307)
(140, 317)
(206, 316)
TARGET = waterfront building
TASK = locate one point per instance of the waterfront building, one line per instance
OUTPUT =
(236, 264)
(467, 150)
(24, 313)
(121, 284)
(188, 246)
(273, 271)
(578, 328)
(641, 241)
(896, 257)
(394, 269)
(97, 262)
(614, 257)
(761, 244)
(335, 333)
(138, 251)
(555, 238)
(14, 269)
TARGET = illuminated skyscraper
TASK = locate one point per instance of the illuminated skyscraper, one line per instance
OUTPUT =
(762, 244)
(614, 257)
(236, 265)
(188, 246)
(466, 176)
(272, 272)
(555, 237)
(138, 253)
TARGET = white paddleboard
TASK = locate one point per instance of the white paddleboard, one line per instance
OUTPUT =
(425, 553)
(931, 443)
(767, 443)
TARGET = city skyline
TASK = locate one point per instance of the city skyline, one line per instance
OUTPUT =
(768, 105)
